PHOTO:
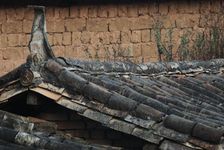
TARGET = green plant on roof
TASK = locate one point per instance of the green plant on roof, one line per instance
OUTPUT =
(164, 48)
(183, 48)
(87, 53)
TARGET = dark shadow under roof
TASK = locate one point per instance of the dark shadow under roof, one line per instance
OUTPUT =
(20, 133)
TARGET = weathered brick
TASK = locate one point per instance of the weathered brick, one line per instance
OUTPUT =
(11, 14)
(194, 7)
(59, 26)
(120, 24)
(112, 11)
(29, 14)
(0, 28)
(216, 6)
(126, 50)
(176, 33)
(205, 7)
(104, 52)
(145, 22)
(13, 40)
(16, 63)
(2, 15)
(83, 11)
(27, 26)
(145, 35)
(67, 38)
(74, 12)
(57, 39)
(173, 7)
(13, 53)
(95, 38)
(76, 38)
(102, 11)
(70, 51)
(182, 7)
(3, 41)
(24, 39)
(150, 59)
(59, 51)
(139, 60)
(86, 37)
(137, 50)
(163, 8)
(168, 21)
(187, 20)
(12, 27)
(50, 38)
(92, 52)
(143, 9)
(167, 36)
(114, 37)
(55, 26)
(97, 24)
(100, 37)
(7, 65)
(136, 36)
(132, 10)
(20, 13)
(1, 54)
(26, 52)
(57, 12)
(153, 8)
(75, 24)
(188, 7)
(82, 52)
(149, 50)
(104, 37)
(61, 12)
(92, 13)
(125, 37)
(49, 13)
(122, 10)
(209, 20)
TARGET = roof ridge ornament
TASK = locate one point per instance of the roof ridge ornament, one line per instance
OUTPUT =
(39, 47)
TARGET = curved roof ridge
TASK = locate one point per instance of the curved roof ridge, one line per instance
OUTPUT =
(146, 68)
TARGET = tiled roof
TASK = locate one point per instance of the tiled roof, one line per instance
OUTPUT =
(181, 107)
(176, 105)
(20, 133)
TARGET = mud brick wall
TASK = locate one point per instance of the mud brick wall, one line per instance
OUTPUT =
(114, 31)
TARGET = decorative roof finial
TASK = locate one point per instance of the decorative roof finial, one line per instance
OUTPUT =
(39, 46)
